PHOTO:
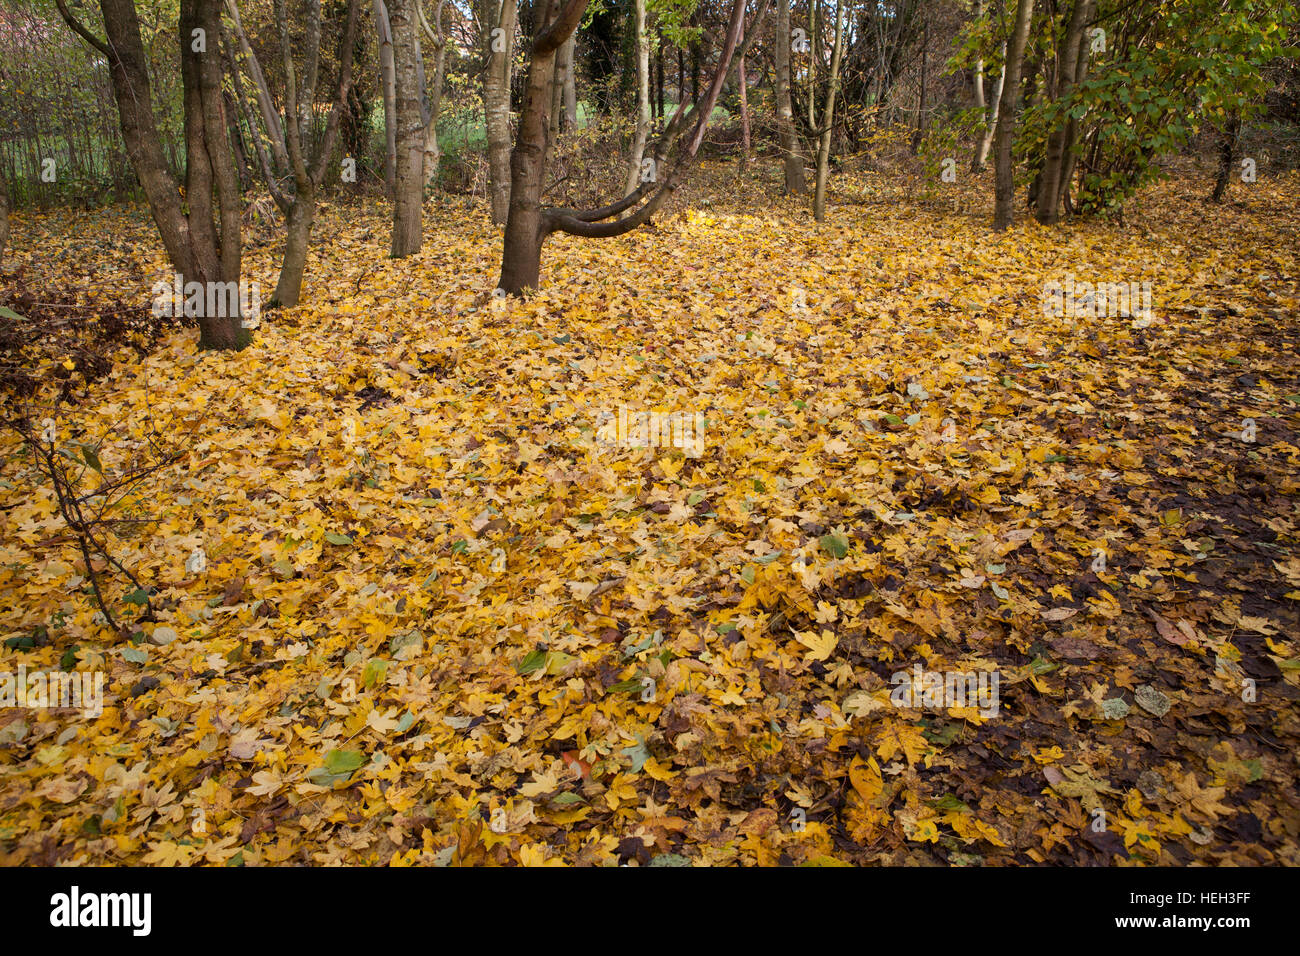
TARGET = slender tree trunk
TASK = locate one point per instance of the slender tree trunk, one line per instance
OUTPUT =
(496, 100)
(828, 116)
(642, 41)
(1005, 189)
(1227, 152)
(977, 74)
(557, 96)
(814, 57)
(991, 118)
(697, 54)
(790, 156)
(920, 111)
(265, 102)
(570, 83)
(659, 77)
(1071, 153)
(1049, 188)
(4, 215)
(299, 134)
(294, 265)
(432, 153)
(211, 187)
(744, 115)
(681, 77)
(409, 184)
(388, 89)
(522, 257)
(564, 105)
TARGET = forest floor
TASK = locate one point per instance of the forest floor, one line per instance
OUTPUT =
(446, 618)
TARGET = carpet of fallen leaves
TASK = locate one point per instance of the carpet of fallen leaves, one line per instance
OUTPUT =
(442, 621)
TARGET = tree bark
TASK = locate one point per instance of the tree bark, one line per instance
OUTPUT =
(920, 110)
(790, 156)
(388, 90)
(744, 115)
(1048, 204)
(432, 152)
(1004, 194)
(496, 102)
(307, 171)
(659, 78)
(991, 113)
(202, 237)
(570, 83)
(265, 102)
(1227, 152)
(408, 199)
(828, 116)
(642, 131)
(4, 215)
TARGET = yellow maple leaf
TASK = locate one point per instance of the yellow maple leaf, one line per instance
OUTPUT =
(820, 646)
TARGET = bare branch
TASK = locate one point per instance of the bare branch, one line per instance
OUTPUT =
(81, 31)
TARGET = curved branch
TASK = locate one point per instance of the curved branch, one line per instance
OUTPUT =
(81, 31)
(558, 30)
(588, 224)
(608, 230)
(604, 212)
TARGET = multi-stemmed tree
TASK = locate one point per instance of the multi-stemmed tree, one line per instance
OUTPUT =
(201, 228)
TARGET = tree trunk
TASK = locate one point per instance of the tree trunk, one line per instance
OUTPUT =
(991, 118)
(659, 77)
(265, 102)
(299, 136)
(790, 156)
(522, 257)
(977, 74)
(496, 101)
(409, 180)
(557, 96)
(388, 89)
(1227, 151)
(642, 45)
(1005, 189)
(1048, 209)
(4, 215)
(920, 111)
(828, 116)
(564, 101)
(1071, 155)
(528, 222)
(294, 264)
(432, 153)
(744, 115)
(570, 83)
(814, 54)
